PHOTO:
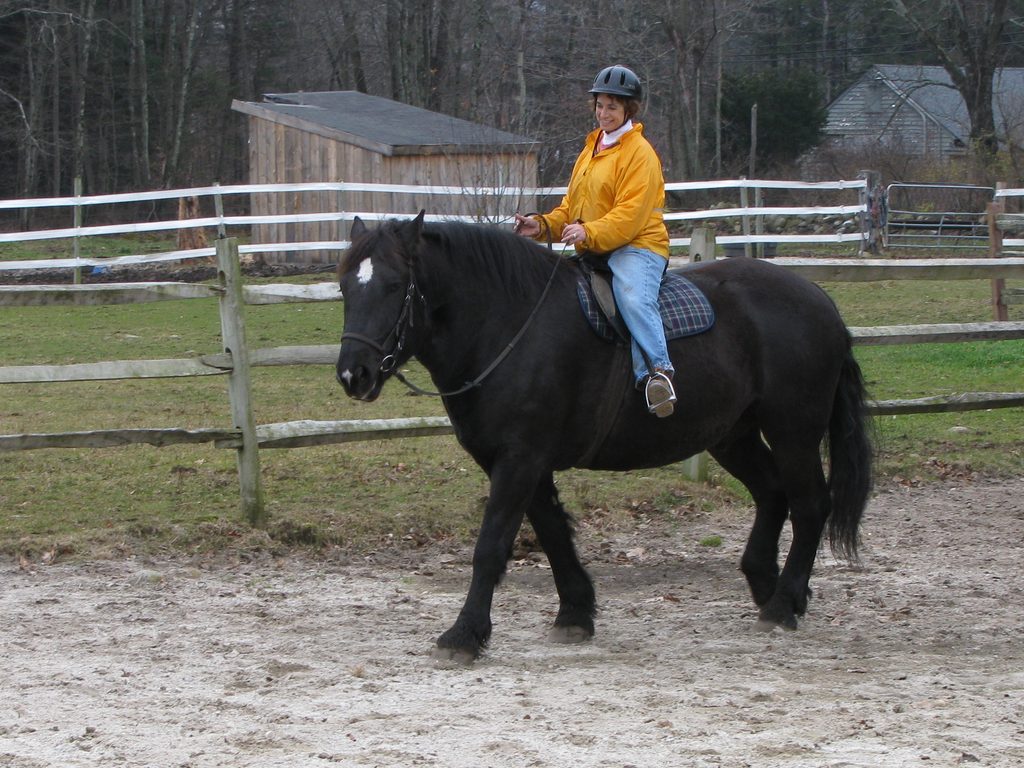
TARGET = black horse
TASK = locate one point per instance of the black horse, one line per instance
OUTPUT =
(530, 389)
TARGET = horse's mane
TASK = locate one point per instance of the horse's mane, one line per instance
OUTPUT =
(472, 253)
(485, 252)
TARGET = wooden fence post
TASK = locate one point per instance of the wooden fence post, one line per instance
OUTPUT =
(695, 468)
(702, 244)
(759, 222)
(702, 248)
(218, 207)
(995, 251)
(744, 202)
(232, 324)
(76, 244)
(871, 224)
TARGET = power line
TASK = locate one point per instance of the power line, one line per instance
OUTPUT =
(813, 52)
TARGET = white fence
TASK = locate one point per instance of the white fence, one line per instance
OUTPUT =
(752, 216)
(236, 358)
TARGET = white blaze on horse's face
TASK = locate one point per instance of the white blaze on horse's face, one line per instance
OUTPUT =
(365, 273)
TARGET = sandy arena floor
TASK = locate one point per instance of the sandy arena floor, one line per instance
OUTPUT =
(914, 658)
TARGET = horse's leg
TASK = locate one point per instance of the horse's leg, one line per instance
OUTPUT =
(513, 485)
(577, 604)
(807, 491)
(750, 461)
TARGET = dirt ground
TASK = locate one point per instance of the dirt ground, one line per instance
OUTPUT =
(915, 657)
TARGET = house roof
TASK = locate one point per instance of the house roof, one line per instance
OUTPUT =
(382, 125)
(931, 90)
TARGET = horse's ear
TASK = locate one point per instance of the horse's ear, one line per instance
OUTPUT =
(410, 233)
(358, 228)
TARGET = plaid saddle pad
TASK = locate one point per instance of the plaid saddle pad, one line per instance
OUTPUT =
(685, 311)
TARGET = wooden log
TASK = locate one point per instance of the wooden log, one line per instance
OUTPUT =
(314, 354)
(104, 371)
(327, 354)
(102, 293)
(113, 438)
(295, 434)
(283, 293)
(968, 401)
(1009, 222)
(938, 332)
(868, 270)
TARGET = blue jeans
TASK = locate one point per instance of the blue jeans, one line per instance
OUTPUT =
(637, 279)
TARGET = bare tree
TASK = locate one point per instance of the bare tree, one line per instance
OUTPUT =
(692, 27)
(136, 92)
(967, 38)
(139, 103)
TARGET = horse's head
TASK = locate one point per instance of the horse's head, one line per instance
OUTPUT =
(377, 280)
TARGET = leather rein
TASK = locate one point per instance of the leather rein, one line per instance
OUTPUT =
(389, 361)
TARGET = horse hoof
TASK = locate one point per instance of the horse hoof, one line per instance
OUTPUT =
(457, 656)
(766, 624)
(569, 635)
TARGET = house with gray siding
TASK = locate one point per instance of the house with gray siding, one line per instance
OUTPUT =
(917, 110)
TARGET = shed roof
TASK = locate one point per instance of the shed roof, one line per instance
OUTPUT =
(382, 125)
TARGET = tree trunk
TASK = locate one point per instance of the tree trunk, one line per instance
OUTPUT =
(185, 79)
(973, 58)
(55, 116)
(690, 43)
(437, 68)
(393, 35)
(139, 98)
(88, 13)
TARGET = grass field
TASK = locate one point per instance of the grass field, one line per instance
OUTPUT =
(185, 499)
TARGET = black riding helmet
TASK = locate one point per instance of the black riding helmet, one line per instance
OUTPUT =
(618, 80)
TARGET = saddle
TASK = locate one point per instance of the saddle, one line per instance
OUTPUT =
(685, 310)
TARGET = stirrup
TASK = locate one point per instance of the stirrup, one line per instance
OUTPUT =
(660, 395)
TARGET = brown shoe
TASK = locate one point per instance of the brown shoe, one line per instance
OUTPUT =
(660, 394)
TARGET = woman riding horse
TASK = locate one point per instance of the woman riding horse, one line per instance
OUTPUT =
(614, 206)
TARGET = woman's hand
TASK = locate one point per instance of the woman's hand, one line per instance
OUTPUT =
(527, 226)
(574, 234)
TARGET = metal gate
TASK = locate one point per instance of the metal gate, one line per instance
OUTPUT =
(936, 216)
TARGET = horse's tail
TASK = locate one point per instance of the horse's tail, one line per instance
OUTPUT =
(850, 458)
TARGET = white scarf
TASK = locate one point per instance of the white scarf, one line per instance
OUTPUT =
(608, 139)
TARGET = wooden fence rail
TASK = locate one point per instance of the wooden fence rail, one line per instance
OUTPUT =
(235, 360)
(1000, 224)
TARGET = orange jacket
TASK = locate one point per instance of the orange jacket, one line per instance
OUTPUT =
(618, 194)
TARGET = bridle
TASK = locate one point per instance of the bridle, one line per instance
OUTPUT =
(389, 361)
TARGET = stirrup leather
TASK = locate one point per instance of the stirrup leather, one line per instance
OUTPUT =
(660, 395)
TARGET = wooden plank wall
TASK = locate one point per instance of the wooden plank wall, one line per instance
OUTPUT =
(281, 154)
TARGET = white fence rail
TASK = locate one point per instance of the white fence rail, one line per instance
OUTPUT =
(752, 216)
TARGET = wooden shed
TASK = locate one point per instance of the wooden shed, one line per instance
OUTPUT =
(354, 137)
